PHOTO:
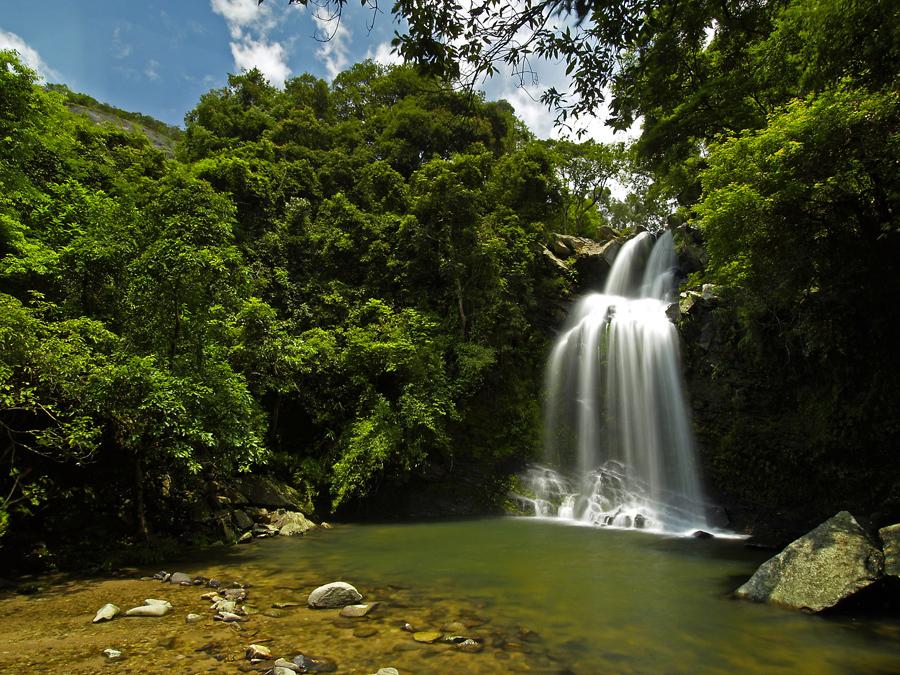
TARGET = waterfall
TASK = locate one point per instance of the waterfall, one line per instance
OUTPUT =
(616, 422)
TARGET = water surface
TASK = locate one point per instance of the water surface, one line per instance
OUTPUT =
(600, 600)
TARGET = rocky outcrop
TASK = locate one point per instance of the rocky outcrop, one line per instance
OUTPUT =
(890, 537)
(591, 259)
(266, 492)
(820, 569)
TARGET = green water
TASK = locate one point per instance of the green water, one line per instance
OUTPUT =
(598, 600)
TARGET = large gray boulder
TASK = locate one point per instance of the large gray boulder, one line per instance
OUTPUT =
(890, 536)
(818, 570)
(290, 523)
(333, 595)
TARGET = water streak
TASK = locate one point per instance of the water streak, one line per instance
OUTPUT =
(616, 420)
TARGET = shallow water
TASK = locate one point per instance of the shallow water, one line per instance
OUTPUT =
(544, 597)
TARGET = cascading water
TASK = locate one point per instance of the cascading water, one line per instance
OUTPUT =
(616, 421)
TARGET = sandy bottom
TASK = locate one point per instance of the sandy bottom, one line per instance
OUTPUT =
(52, 631)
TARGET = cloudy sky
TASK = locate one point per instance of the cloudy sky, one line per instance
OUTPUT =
(159, 57)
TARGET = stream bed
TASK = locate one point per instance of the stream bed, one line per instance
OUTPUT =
(540, 596)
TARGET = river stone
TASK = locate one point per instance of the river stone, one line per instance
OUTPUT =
(107, 612)
(357, 611)
(818, 570)
(469, 646)
(150, 609)
(286, 665)
(890, 535)
(193, 618)
(333, 595)
(180, 578)
(427, 636)
(244, 538)
(290, 523)
(314, 664)
(229, 617)
(283, 670)
(387, 671)
(112, 654)
(365, 632)
(285, 605)
(258, 652)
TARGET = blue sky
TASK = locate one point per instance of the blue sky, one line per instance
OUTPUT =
(159, 57)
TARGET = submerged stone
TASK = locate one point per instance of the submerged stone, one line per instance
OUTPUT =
(820, 569)
(314, 664)
(427, 636)
(151, 607)
(357, 611)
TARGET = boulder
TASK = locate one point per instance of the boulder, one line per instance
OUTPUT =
(290, 523)
(820, 569)
(242, 520)
(890, 537)
(333, 595)
(593, 261)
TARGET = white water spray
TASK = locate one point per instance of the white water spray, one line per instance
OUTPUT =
(616, 421)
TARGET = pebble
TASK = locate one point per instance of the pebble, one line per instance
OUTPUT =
(106, 613)
(287, 665)
(224, 606)
(193, 618)
(387, 671)
(454, 627)
(427, 636)
(258, 653)
(244, 538)
(365, 632)
(408, 627)
(285, 605)
(112, 654)
(314, 664)
(228, 617)
(151, 607)
(357, 611)
(470, 646)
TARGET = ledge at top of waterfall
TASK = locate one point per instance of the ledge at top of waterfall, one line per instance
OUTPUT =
(615, 410)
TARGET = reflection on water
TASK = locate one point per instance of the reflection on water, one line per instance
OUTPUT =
(601, 601)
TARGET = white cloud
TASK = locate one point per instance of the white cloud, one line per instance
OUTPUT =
(120, 48)
(382, 54)
(244, 15)
(334, 44)
(152, 69)
(28, 55)
(269, 57)
(249, 24)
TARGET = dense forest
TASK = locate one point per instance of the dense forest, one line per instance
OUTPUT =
(342, 283)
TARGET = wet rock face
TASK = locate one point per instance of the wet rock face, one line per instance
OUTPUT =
(820, 569)
(890, 536)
